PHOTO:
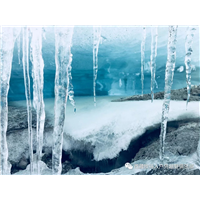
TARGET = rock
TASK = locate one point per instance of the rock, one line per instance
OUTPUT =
(66, 166)
(178, 171)
(182, 141)
(17, 119)
(179, 94)
(23, 163)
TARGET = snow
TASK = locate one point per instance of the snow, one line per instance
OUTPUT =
(111, 126)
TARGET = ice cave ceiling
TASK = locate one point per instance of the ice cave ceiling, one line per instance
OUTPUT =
(119, 57)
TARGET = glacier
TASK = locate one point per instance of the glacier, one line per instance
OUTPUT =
(130, 61)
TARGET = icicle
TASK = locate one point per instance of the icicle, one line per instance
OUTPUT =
(154, 36)
(96, 41)
(18, 47)
(43, 33)
(169, 72)
(63, 41)
(156, 84)
(143, 57)
(8, 37)
(25, 60)
(70, 89)
(120, 82)
(38, 82)
(188, 49)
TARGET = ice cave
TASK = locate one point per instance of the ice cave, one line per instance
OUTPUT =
(99, 100)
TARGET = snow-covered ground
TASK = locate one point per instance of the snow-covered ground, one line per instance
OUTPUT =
(111, 126)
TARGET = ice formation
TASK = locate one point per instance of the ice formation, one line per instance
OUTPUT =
(25, 61)
(107, 129)
(18, 47)
(143, 57)
(188, 49)
(169, 73)
(96, 41)
(154, 36)
(38, 82)
(70, 88)
(63, 58)
(8, 37)
(120, 82)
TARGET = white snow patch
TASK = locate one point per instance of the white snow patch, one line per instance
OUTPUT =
(111, 126)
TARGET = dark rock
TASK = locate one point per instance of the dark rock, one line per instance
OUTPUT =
(23, 163)
(182, 141)
(179, 94)
(66, 166)
(178, 171)
(17, 119)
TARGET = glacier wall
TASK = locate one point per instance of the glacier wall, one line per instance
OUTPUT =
(119, 57)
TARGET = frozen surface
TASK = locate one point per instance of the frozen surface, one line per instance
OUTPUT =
(111, 126)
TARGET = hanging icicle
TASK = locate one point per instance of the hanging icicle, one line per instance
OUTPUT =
(120, 83)
(143, 57)
(169, 73)
(154, 36)
(18, 47)
(63, 58)
(38, 82)
(8, 37)
(70, 88)
(188, 49)
(96, 41)
(25, 61)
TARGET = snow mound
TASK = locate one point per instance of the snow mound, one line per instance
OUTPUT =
(111, 126)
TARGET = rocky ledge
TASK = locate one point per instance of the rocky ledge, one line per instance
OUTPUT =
(181, 140)
(179, 94)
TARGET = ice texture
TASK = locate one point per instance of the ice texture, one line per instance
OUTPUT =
(38, 82)
(120, 52)
(25, 61)
(169, 73)
(96, 41)
(8, 37)
(154, 36)
(143, 57)
(18, 48)
(63, 42)
(188, 49)
(70, 87)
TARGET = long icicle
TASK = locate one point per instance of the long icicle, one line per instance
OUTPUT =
(143, 57)
(63, 59)
(18, 48)
(188, 49)
(38, 82)
(169, 73)
(25, 60)
(154, 36)
(8, 38)
(70, 89)
(96, 41)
